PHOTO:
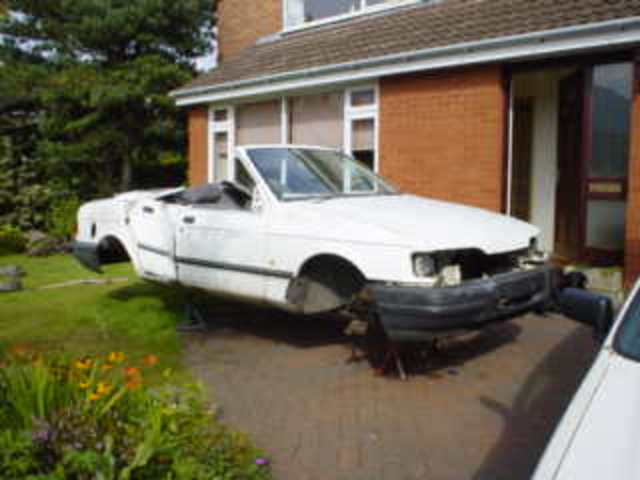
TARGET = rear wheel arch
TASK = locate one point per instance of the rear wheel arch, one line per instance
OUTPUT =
(112, 249)
(325, 282)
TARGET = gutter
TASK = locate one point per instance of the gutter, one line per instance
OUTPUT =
(530, 45)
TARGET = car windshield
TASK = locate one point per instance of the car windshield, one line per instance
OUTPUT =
(627, 340)
(301, 173)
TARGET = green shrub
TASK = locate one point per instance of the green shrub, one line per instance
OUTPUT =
(11, 240)
(62, 216)
(95, 418)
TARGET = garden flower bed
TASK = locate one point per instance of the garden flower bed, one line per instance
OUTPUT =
(64, 418)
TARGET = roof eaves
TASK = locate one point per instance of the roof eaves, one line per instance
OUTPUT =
(189, 96)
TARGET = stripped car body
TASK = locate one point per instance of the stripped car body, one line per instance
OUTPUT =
(310, 230)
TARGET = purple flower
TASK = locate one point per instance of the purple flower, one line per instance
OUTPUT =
(42, 433)
(262, 461)
(41, 436)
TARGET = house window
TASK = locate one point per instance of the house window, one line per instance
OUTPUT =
(363, 141)
(361, 125)
(221, 143)
(301, 12)
(259, 123)
(221, 156)
(317, 120)
(221, 115)
(345, 120)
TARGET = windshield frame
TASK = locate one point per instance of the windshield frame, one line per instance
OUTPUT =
(294, 197)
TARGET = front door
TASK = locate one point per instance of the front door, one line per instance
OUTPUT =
(606, 159)
(593, 152)
(154, 230)
(222, 250)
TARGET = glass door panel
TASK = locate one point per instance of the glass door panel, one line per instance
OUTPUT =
(220, 156)
(605, 224)
(607, 159)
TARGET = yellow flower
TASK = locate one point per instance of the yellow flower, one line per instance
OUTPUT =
(116, 357)
(103, 388)
(85, 364)
(84, 385)
(93, 397)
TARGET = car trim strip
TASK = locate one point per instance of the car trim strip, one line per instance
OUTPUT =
(157, 251)
(196, 262)
(234, 267)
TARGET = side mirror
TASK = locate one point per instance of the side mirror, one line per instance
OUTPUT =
(588, 308)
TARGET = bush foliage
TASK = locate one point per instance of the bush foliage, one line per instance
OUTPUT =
(96, 418)
(62, 217)
(11, 240)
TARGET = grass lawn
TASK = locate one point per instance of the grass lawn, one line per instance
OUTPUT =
(135, 317)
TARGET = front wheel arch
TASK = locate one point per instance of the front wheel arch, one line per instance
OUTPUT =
(325, 283)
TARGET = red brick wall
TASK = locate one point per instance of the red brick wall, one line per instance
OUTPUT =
(198, 145)
(442, 135)
(242, 22)
(632, 242)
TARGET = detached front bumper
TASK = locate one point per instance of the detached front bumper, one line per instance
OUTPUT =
(87, 254)
(410, 313)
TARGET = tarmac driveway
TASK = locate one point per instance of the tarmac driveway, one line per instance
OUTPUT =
(483, 408)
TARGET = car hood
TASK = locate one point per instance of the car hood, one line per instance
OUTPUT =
(409, 220)
(606, 443)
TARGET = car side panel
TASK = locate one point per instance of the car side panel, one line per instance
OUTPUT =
(223, 251)
(152, 227)
(288, 253)
(101, 219)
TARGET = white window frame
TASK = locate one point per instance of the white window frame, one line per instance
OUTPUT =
(351, 113)
(228, 127)
(364, 112)
(364, 9)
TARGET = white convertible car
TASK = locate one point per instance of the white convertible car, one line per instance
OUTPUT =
(310, 230)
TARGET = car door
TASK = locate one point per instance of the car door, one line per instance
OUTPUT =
(154, 231)
(222, 250)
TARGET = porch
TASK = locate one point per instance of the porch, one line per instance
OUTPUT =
(569, 159)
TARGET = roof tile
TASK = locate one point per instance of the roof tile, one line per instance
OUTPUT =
(401, 30)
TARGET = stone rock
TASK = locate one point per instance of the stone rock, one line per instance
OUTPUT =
(10, 278)
(11, 271)
(10, 285)
(47, 245)
(34, 236)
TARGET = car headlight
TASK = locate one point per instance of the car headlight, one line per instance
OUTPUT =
(424, 265)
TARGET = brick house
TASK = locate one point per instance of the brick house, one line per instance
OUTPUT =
(531, 108)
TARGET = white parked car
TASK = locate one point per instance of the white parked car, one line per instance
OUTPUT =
(310, 230)
(598, 436)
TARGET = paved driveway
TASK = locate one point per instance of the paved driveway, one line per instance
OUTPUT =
(482, 409)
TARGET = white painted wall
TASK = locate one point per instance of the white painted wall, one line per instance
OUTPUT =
(543, 87)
